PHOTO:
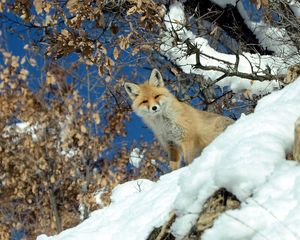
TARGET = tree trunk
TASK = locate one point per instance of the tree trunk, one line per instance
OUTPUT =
(55, 211)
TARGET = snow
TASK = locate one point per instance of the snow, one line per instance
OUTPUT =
(269, 37)
(248, 159)
(257, 149)
(21, 128)
(81, 209)
(223, 3)
(176, 18)
(36, 132)
(272, 213)
(248, 63)
(135, 210)
(136, 156)
(97, 196)
(295, 6)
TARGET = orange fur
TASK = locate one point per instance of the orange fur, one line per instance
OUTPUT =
(180, 128)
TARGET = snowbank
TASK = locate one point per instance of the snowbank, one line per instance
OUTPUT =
(137, 207)
(248, 159)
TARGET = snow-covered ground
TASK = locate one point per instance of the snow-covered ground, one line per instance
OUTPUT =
(248, 159)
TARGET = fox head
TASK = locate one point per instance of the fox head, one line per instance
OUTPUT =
(151, 97)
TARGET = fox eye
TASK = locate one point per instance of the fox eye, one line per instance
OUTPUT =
(157, 96)
(145, 101)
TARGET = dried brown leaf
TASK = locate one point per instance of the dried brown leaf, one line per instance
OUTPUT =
(38, 5)
(96, 117)
(131, 10)
(100, 71)
(88, 105)
(116, 53)
(108, 78)
(32, 62)
(72, 5)
(50, 78)
(83, 129)
(114, 29)
(139, 3)
(47, 7)
(65, 32)
(123, 43)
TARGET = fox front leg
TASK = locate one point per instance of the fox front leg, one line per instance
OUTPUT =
(174, 153)
(191, 150)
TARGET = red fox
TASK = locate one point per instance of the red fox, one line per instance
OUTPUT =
(180, 128)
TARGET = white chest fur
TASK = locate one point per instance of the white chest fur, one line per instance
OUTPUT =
(165, 127)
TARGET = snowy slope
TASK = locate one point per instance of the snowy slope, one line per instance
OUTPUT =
(137, 207)
(248, 159)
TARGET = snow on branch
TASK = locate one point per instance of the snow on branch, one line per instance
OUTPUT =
(270, 37)
(295, 6)
(257, 73)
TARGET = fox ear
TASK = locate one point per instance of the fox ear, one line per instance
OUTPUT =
(132, 90)
(156, 79)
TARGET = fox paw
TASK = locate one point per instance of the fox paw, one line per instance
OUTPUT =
(174, 165)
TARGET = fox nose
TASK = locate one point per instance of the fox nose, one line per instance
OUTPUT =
(154, 108)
